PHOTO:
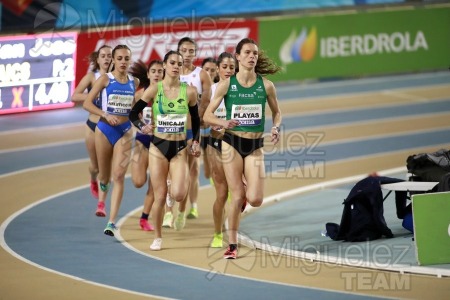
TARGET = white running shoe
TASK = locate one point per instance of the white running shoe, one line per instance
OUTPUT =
(156, 245)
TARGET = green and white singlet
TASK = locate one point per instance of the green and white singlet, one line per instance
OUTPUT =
(170, 114)
(247, 105)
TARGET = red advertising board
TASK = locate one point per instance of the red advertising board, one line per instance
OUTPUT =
(154, 41)
(37, 72)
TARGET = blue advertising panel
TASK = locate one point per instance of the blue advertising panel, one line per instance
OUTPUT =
(36, 16)
(36, 72)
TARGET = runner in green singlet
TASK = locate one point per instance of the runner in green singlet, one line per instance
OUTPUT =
(245, 96)
(171, 102)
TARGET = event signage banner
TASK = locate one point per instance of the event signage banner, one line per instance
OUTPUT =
(36, 72)
(431, 215)
(359, 43)
(153, 42)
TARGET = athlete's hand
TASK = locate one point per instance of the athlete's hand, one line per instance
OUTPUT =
(275, 135)
(111, 119)
(195, 149)
(147, 129)
(229, 124)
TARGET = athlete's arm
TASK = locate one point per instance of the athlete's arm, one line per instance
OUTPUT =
(79, 94)
(272, 101)
(139, 106)
(88, 103)
(193, 111)
(206, 92)
(219, 94)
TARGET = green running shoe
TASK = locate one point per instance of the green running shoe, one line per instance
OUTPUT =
(110, 229)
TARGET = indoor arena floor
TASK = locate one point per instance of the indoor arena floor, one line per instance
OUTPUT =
(334, 133)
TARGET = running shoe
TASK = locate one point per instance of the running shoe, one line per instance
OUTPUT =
(217, 241)
(180, 221)
(156, 245)
(167, 220)
(230, 254)
(110, 229)
(100, 212)
(145, 225)
(94, 189)
(193, 213)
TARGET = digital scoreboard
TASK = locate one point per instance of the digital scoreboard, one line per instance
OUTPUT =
(37, 72)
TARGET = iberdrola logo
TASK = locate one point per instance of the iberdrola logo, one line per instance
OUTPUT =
(301, 47)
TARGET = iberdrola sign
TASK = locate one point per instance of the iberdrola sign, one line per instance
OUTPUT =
(370, 44)
(357, 44)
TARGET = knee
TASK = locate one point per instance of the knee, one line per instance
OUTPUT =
(138, 182)
(178, 196)
(138, 178)
(118, 177)
(255, 201)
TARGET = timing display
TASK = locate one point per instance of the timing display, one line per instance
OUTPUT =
(37, 72)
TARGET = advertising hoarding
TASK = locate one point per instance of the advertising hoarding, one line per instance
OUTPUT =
(359, 43)
(36, 72)
(431, 215)
(153, 42)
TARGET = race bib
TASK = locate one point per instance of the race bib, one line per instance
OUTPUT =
(147, 115)
(247, 115)
(171, 123)
(221, 111)
(119, 104)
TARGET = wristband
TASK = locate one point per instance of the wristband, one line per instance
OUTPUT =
(141, 125)
(277, 128)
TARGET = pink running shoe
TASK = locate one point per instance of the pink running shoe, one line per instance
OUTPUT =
(94, 189)
(145, 225)
(100, 212)
(230, 253)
